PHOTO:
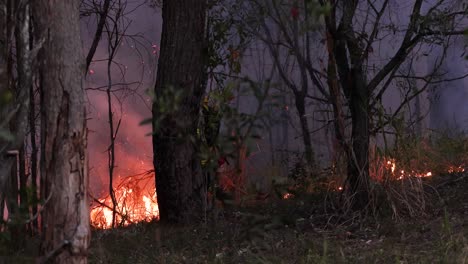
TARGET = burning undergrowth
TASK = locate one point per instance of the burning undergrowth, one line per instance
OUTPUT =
(398, 183)
(136, 202)
(402, 179)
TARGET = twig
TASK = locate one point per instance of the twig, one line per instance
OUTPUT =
(124, 217)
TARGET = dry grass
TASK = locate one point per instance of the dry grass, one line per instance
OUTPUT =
(305, 230)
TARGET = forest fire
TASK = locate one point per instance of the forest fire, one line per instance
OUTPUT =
(136, 196)
(136, 202)
(391, 165)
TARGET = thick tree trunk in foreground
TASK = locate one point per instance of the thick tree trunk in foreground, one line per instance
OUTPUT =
(63, 132)
(180, 185)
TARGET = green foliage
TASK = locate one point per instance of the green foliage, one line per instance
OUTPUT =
(226, 40)
(451, 246)
(225, 129)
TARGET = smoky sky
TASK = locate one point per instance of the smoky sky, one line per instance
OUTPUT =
(135, 65)
(137, 61)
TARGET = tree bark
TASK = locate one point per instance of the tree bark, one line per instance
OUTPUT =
(180, 184)
(17, 24)
(32, 126)
(97, 36)
(300, 107)
(346, 65)
(358, 156)
(63, 161)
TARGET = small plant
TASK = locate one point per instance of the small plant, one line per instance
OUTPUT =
(452, 247)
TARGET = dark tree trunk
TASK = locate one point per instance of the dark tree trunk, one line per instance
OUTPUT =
(346, 69)
(335, 97)
(63, 133)
(12, 207)
(22, 180)
(32, 126)
(358, 155)
(17, 24)
(23, 208)
(300, 107)
(180, 185)
(99, 30)
(11, 152)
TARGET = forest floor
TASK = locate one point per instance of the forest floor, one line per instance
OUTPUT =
(299, 230)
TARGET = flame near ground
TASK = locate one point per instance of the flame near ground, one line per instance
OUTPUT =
(136, 196)
(136, 202)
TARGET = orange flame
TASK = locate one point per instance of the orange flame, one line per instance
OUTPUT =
(135, 203)
(391, 165)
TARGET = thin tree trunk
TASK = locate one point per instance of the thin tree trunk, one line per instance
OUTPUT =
(34, 187)
(16, 26)
(180, 184)
(300, 106)
(114, 38)
(64, 169)
(19, 28)
(340, 146)
(98, 34)
(2, 208)
(22, 180)
(24, 67)
(12, 206)
(111, 150)
(23, 197)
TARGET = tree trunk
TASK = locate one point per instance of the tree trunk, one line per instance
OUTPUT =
(300, 107)
(17, 22)
(63, 133)
(12, 207)
(336, 98)
(34, 187)
(180, 184)
(358, 156)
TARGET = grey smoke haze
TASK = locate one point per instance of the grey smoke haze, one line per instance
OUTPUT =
(134, 151)
(137, 64)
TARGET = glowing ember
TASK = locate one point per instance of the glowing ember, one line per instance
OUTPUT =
(454, 169)
(391, 166)
(136, 202)
(288, 196)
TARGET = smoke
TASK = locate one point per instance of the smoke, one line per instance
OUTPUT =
(450, 109)
(137, 58)
(134, 72)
